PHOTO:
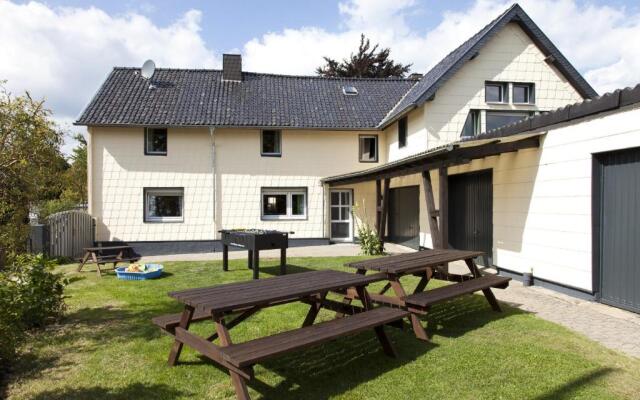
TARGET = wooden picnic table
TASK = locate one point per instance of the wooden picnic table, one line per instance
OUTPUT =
(95, 255)
(427, 264)
(247, 298)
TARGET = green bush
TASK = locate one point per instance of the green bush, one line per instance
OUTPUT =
(31, 296)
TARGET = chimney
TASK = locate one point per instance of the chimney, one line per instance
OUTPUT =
(232, 67)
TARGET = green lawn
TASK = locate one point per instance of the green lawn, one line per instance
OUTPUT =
(108, 348)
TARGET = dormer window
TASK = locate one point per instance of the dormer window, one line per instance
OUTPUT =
(155, 141)
(523, 93)
(349, 90)
(496, 92)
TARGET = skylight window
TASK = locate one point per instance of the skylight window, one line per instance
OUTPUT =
(349, 90)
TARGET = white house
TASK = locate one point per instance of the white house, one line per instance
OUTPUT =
(174, 160)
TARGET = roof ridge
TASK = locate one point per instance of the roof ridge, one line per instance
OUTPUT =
(337, 78)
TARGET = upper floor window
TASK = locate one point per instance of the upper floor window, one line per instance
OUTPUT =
(402, 132)
(271, 143)
(155, 141)
(163, 204)
(523, 93)
(496, 92)
(496, 119)
(471, 124)
(368, 148)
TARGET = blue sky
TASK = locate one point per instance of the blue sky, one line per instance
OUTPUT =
(61, 50)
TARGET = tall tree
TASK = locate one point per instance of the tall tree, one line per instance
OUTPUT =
(368, 62)
(30, 164)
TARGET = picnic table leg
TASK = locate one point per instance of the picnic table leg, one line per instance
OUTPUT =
(85, 258)
(283, 261)
(225, 340)
(424, 281)
(418, 329)
(256, 264)
(348, 299)
(225, 257)
(250, 259)
(387, 347)
(315, 309)
(95, 260)
(176, 349)
(488, 294)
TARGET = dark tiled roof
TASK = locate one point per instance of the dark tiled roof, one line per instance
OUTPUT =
(202, 98)
(426, 88)
(606, 102)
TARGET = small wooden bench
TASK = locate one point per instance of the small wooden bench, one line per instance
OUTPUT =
(249, 353)
(422, 300)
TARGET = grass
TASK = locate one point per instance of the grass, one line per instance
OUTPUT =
(107, 348)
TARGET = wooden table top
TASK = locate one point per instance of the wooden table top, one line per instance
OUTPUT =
(236, 296)
(402, 263)
(106, 248)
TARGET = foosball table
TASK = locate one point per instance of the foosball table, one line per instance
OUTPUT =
(254, 240)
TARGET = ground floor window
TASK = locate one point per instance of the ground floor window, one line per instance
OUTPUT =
(280, 203)
(163, 204)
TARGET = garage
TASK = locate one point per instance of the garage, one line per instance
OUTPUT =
(471, 213)
(404, 216)
(617, 228)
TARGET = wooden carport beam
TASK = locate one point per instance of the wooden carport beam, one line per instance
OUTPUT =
(382, 232)
(431, 209)
(443, 212)
(378, 204)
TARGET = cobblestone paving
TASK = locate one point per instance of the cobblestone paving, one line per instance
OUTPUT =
(613, 328)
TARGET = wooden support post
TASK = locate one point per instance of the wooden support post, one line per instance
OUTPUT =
(239, 383)
(378, 204)
(176, 349)
(443, 195)
(283, 261)
(255, 264)
(385, 211)
(432, 213)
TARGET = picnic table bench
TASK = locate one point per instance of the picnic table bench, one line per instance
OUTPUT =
(427, 264)
(96, 255)
(246, 298)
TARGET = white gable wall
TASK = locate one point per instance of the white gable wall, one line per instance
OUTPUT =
(510, 56)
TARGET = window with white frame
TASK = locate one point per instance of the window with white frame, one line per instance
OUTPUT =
(496, 92)
(523, 93)
(284, 203)
(368, 148)
(163, 204)
(155, 141)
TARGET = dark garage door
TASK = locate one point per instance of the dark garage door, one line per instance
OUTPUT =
(617, 208)
(404, 216)
(471, 213)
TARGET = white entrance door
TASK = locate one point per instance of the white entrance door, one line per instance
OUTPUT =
(341, 218)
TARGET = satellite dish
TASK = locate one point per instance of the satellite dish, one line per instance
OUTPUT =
(148, 68)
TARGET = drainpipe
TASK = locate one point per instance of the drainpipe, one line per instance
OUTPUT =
(213, 174)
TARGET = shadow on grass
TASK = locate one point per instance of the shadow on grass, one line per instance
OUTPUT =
(136, 391)
(568, 389)
(467, 313)
(346, 363)
(274, 270)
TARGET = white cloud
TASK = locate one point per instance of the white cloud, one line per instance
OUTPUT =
(64, 54)
(601, 41)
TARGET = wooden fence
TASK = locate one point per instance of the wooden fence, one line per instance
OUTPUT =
(68, 232)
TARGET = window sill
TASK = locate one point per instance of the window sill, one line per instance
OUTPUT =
(285, 218)
(154, 154)
(500, 103)
(271, 154)
(165, 221)
(368, 161)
